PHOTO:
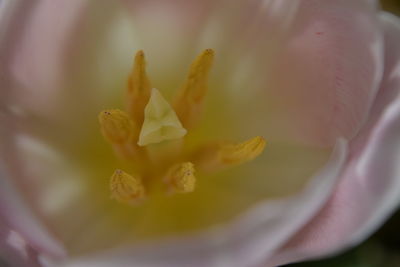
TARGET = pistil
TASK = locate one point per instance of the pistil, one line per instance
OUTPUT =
(160, 122)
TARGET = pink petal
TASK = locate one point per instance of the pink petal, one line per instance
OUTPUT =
(14, 208)
(370, 189)
(14, 251)
(34, 51)
(17, 213)
(329, 70)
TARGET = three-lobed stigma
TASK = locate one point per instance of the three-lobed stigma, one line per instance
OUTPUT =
(150, 119)
(160, 122)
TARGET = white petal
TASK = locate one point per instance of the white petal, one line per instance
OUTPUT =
(19, 215)
(329, 69)
(370, 189)
(14, 250)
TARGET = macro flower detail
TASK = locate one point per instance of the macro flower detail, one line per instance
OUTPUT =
(152, 120)
(105, 162)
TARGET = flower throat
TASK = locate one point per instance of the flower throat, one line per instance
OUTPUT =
(150, 136)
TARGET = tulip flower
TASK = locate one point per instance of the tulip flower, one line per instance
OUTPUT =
(195, 133)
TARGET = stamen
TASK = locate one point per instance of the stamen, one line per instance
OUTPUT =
(188, 103)
(216, 156)
(180, 178)
(160, 122)
(150, 119)
(243, 152)
(139, 89)
(116, 126)
(126, 188)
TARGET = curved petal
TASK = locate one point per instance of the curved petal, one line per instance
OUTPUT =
(34, 50)
(329, 69)
(245, 242)
(370, 189)
(14, 251)
(14, 209)
(17, 214)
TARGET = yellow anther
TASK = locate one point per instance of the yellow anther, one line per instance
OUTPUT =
(139, 89)
(160, 122)
(180, 178)
(116, 126)
(126, 188)
(189, 100)
(243, 152)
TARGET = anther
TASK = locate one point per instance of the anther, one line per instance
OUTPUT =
(139, 89)
(239, 153)
(180, 178)
(189, 100)
(126, 188)
(216, 156)
(116, 126)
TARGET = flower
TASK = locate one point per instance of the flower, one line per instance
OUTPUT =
(319, 80)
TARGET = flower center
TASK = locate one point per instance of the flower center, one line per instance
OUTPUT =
(151, 136)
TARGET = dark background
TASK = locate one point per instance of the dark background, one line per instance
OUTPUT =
(380, 250)
(383, 248)
(392, 6)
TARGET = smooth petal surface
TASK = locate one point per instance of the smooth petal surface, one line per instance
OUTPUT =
(17, 213)
(243, 243)
(36, 51)
(329, 70)
(18, 221)
(370, 189)
(14, 251)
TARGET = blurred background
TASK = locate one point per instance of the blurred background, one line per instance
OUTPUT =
(383, 248)
(391, 5)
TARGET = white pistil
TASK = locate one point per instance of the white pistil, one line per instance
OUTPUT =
(160, 121)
